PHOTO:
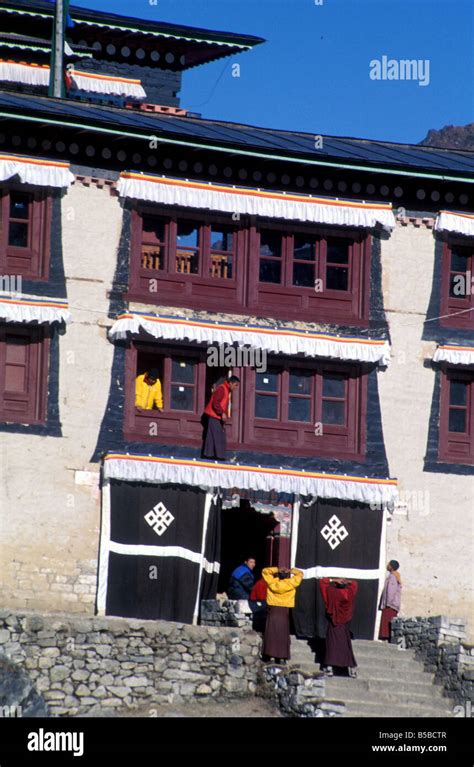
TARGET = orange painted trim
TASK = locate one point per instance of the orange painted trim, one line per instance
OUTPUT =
(93, 76)
(264, 331)
(47, 304)
(460, 215)
(249, 469)
(33, 161)
(254, 192)
(24, 64)
(458, 348)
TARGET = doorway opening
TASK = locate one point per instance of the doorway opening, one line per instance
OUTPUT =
(246, 533)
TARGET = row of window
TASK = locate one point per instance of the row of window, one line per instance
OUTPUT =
(204, 262)
(300, 407)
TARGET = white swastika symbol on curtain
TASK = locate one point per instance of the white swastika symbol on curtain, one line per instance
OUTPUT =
(159, 518)
(334, 532)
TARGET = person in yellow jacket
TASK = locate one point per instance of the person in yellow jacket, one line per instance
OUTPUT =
(148, 392)
(281, 589)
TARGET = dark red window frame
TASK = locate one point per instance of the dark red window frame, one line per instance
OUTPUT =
(244, 430)
(204, 288)
(346, 440)
(456, 446)
(452, 305)
(24, 354)
(32, 260)
(244, 292)
(171, 425)
(307, 303)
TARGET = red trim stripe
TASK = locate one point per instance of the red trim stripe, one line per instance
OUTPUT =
(48, 304)
(249, 469)
(33, 161)
(240, 328)
(255, 192)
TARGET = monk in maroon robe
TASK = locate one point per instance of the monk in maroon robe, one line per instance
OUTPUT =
(339, 597)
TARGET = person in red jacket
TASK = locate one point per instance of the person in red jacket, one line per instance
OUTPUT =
(339, 596)
(258, 605)
(216, 414)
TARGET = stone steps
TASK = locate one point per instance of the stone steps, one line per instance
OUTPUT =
(390, 682)
(420, 685)
(375, 710)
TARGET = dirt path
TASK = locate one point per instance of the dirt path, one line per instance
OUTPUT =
(243, 707)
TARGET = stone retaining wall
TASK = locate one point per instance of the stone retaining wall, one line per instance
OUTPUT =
(81, 665)
(438, 641)
(229, 612)
(301, 694)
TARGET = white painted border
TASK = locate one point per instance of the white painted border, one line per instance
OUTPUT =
(295, 520)
(104, 548)
(207, 508)
(382, 570)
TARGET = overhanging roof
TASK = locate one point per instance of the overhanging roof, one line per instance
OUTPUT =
(197, 44)
(339, 152)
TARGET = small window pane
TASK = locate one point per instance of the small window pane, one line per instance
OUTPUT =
(300, 382)
(333, 412)
(18, 235)
(19, 205)
(459, 260)
(155, 226)
(337, 278)
(188, 234)
(304, 249)
(299, 409)
(182, 371)
(266, 406)
(337, 251)
(303, 275)
(458, 285)
(457, 420)
(270, 271)
(334, 385)
(267, 382)
(458, 392)
(222, 239)
(270, 244)
(182, 397)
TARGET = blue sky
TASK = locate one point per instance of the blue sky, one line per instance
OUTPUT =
(312, 74)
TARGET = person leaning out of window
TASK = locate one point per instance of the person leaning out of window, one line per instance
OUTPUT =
(148, 392)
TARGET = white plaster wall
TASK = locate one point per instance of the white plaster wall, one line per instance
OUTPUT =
(49, 520)
(432, 536)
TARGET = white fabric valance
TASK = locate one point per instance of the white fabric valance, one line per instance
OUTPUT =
(209, 475)
(116, 86)
(31, 170)
(276, 340)
(30, 309)
(462, 223)
(26, 74)
(257, 202)
(455, 355)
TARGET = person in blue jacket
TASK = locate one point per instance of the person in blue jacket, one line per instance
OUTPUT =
(242, 580)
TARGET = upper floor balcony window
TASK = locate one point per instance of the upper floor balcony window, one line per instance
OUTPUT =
(187, 259)
(296, 406)
(287, 271)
